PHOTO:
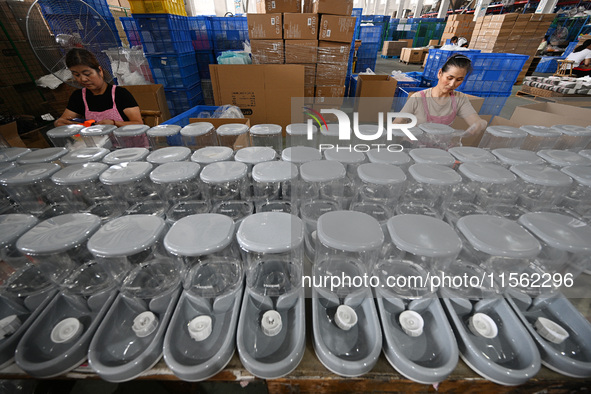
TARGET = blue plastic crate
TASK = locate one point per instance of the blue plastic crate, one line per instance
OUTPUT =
(352, 86)
(408, 84)
(228, 33)
(174, 71)
(548, 64)
(74, 8)
(364, 64)
(194, 112)
(369, 34)
(164, 33)
(204, 59)
(131, 31)
(200, 27)
(493, 103)
(401, 96)
(181, 100)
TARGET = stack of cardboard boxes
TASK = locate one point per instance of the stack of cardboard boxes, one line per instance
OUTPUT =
(460, 25)
(320, 40)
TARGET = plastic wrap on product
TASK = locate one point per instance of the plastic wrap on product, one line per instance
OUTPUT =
(301, 51)
(267, 51)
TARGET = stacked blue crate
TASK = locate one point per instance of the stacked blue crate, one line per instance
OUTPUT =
(367, 53)
(549, 64)
(228, 33)
(357, 14)
(201, 36)
(131, 31)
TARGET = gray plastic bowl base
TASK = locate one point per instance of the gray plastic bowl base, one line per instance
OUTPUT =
(31, 354)
(368, 324)
(437, 331)
(221, 350)
(273, 366)
(115, 330)
(571, 319)
(520, 342)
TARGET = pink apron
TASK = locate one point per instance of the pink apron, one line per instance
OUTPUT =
(447, 119)
(112, 113)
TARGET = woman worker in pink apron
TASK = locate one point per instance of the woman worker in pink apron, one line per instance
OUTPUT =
(442, 104)
(97, 100)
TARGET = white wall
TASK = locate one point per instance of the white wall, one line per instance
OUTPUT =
(218, 7)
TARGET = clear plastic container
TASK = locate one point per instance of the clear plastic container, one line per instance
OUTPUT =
(563, 158)
(370, 131)
(12, 261)
(496, 244)
(84, 155)
(64, 136)
(430, 185)
(578, 197)
(224, 180)
(132, 136)
(269, 135)
(100, 135)
(432, 156)
(470, 154)
(541, 186)
(383, 156)
(8, 155)
(297, 135)
(164, 135)
(330, 134)
(440, 136)
(126, 155)
(351, 160)
(169, 155)
(253, 155)
(399, 137)
(310, 211)
(29, 185)
(124, 242)
(376, 210)
(572, 138)
(58, 245)
(45, 155)
(236, 210)
(453, 210)
(186, 208)
(539, 137)
(496, 137)
(233, 135)
(586, 153)
(212, 154)
(380, 183)
(299, 155)
(509, 157)
(322, 179)
(273, 185)
(130, 182)
(489, 183)
(80, 186)
(199, 135)
(178, 182)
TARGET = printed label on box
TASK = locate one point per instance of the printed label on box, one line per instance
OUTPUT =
(273, 4)
(272, 21)
(328, 33)
(309, 21)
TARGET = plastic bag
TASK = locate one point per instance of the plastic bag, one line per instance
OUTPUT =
(367, 71)
(234, 57)
(228, 111)
(52, 81)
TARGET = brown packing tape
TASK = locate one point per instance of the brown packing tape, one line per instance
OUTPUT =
(267, 51)
(330, 74)
(301, 51)
(333, 52)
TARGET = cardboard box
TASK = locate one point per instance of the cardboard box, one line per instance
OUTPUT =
(411, 55)
(267, 51)
(9, 132)
(262, 92)
(550, 114)
(505, 17)
(309, 91)
(307, 6)
(408, 41)
(281, 6)
(151, 98)
(301, 51)
(375, 94)
(433, 43)
(300, 26)
(124, 3)
(330, 74)
(337, 28)
(333, 52)
(309, 74)
(335, 7)
(265, 26)
(330, 91)
(394, 48)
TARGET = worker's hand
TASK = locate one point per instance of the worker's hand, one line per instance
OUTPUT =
(476, 128)
(64, 122)
(107, 121)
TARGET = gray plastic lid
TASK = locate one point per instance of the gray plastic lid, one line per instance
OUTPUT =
(498, 236)
(28, 173)
(563, 158)
(232, 129)
(513, 156)
(436, 128)
(13, 225)
(45, 155)
(432, 156)
(370, 129)
(58, 234)
(381, 174)
(84, 155)
(199, 235)
(344, 156)
(131, 129)
(434, 174)
(541, 175)
(274, 171)
(225, 171)
(559, 231)
(266, 129)
(212, 154)
(350, 231)
(175, 172)
(299, 129)
(424, 236)
(98, 130)
(540, 131)
(255, 154)
(11, 154)
(164, 130)
(322, 171)
(125, 172)
(581, 174)
(506, 132)
(487, 172)
(270, 232)
(331, 131)
(572, 130)
(196, 129)
(78, 173)
(416, 131)
(470, 154)
(125, 155)
(383, 156)
(65, 131)
(169, 154)
(6, 166)
(126, 235)
(585, 153)
(300, 154)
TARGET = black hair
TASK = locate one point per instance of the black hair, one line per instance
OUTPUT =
(585, 45)
(458, 60)
(454, 38)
